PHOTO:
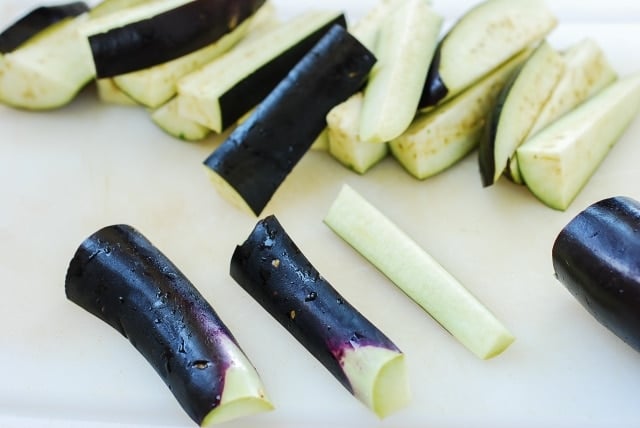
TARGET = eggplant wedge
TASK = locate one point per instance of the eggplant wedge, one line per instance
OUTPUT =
(482, 39)
(406, 42)
(36, 21)
(587, 72)
(275, 272)
(220, 93)
(439, 138)
(558, 161)
(167, 36)
(417, 274)
(249, 166)
(168, 118)
(123, 279)
(596, 257)
(518, 106)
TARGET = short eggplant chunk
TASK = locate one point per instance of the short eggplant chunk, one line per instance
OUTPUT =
(597, 258)
(37, 20)
(168, 35)
(249, 166)
(485, 37)
(417, 274)
(120, 277)
(273, 270)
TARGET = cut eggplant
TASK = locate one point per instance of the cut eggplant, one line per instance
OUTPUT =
(366, 29)
(169, 119)
(219, 94)
(417, 274)
(249, 166)
(108, 92)
(596, 257)
(481, 40)
(36, 21)
(406, 42)
(120, 277)
(441, 137)
(587, 72)
(517, 108)
(558, 161)
(167, 36)
(273, 270)
(345, 145)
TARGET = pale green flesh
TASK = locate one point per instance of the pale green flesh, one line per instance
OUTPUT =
(199, 92)
(488, 35)
(243, 393)
(525, 100)
(168, 119)
(345, 145)
(557, 162)
(378, 378)
(438, 139)
(109, 93)
(156, 85)
(417, 274)
(405, 47)
(587, 72)
(366, 29)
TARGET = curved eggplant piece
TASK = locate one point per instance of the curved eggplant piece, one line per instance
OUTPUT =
(597, 257)
(273, 270)
(168, 35)
(251, 164)
(37, 20)
(121, 278)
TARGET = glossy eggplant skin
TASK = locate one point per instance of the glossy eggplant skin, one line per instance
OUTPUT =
(597, 257)
(262, 151)
(168, 35)
(434, 88)
(37, 20)
(250, 91)
(272, 269)
(121, 278)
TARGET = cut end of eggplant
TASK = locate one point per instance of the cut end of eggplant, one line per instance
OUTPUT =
(169, 120)
(378, 377)
(228, 192)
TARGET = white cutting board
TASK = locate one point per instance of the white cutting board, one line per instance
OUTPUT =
(66, 173)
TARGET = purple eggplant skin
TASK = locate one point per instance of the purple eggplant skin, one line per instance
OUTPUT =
(36, 21)
(597, 257)
(259, 154)
(121, 278)
(250, 91)
(168, 35)
(272, 269)
(434, 88)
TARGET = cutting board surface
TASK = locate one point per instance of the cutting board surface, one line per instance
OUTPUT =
(66, 173)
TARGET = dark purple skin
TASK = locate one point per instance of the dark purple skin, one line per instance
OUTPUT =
(262, 151)
(121, 278)
(434, 88)
(254, 88)
(36, 21)
(273, 270)
(597, 257)
(168, 35)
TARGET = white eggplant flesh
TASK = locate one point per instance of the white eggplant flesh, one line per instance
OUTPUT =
(557, 162)
(169, 120)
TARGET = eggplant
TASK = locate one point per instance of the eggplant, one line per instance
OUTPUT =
(596, 257)
(406, 42)
(123, 279)
(36, 21)
(558, 161)
(169, 120)
(483, 38)
(271, 268)
(168, 35)
(417, 274)
(439, 138)
(220, 93)
(249, 166)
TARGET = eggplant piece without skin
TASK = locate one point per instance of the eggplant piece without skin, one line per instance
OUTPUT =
(168, 35)
(120, 277)
(596, 257)
(249, 166)
(273, 270)
(38, 20)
